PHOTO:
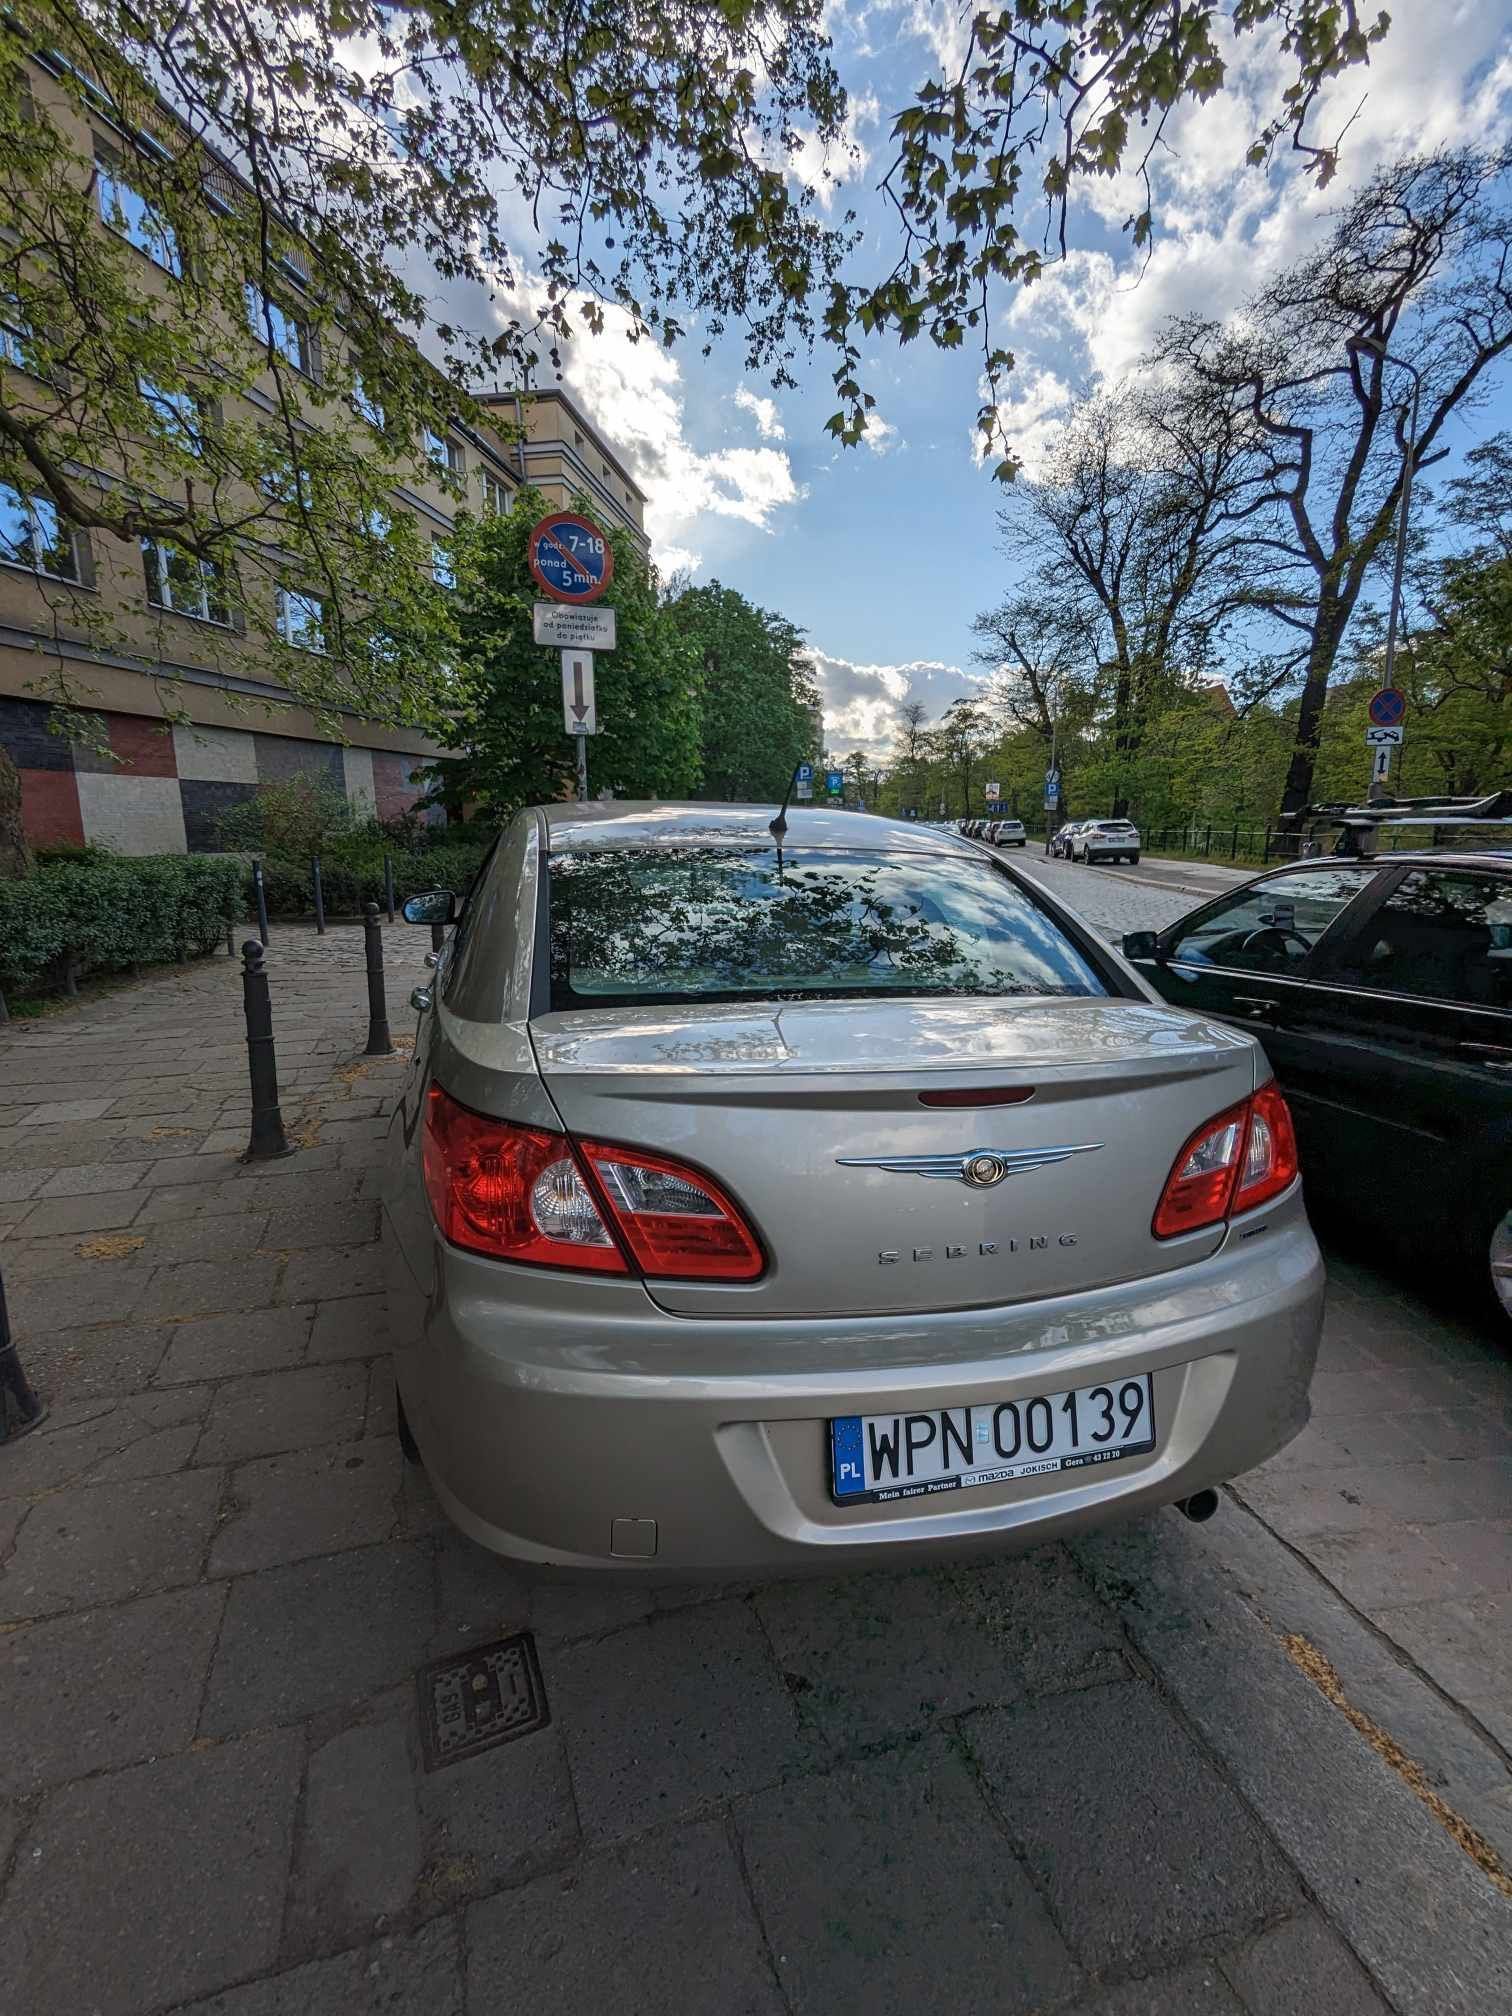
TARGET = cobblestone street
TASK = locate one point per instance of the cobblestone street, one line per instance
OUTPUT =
(1253, 1768)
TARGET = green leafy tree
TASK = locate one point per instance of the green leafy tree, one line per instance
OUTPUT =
(507, 697)
(650, 138)
(758, 693)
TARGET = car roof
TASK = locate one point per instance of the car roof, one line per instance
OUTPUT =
(632, 823)
(1400, 857)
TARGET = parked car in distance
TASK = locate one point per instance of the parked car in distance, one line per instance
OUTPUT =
(1106, 840)
(1382, 990)
(1007, 833)
(1061, 839)
(819, 1198)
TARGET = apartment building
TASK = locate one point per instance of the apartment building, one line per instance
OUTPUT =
(194, 721)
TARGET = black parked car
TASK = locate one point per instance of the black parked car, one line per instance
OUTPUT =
(1382, 991)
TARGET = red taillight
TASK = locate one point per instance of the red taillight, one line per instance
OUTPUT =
(677, 1222)
(519, 1193)
(1270, 1155)
(1240, 1158)
(514, 1193)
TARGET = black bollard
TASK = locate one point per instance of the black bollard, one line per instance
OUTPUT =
(379, 1043)
(20, 1408)
(388, 885)
(438, 937)
(262, 901)
(319, 898)
(268, 1139)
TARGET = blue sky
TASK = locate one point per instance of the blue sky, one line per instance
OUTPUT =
(884, 553)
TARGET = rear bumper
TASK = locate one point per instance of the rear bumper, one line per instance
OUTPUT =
(546, 1410)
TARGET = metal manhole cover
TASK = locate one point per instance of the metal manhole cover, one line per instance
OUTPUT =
(475, 1699)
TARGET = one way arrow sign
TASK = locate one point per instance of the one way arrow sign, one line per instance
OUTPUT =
(578, 710)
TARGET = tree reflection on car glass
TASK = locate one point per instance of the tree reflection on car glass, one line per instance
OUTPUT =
(729, 923)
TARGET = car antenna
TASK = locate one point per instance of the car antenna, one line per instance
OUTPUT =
(778, 826)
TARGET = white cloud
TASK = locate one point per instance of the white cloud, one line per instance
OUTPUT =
(1442, 76)
(824, 169)
(633, 390)
(763, 411)
(677, 560)
(880, 434)
(861, 701)
(1032, 416)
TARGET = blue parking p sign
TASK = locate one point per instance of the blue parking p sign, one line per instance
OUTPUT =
(834, 780)
(805, 773)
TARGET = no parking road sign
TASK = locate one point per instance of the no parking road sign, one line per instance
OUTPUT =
(570, 557)
(1387, 707)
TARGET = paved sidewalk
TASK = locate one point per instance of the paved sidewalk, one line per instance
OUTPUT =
(1138, 1777)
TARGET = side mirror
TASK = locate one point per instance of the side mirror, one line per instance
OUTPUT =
(1141, 945)
(432, 906)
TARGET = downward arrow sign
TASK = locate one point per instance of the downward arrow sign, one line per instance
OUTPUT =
(579, 705)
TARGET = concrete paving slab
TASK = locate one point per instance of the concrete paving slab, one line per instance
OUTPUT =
(268, 1413)
(105, 1688)
(665, 1924)
(94, 1924)
(221, 1347)
(105, 1543)
(416, 1974)
(312, 1501)
(1299, 1968)
(1140, 1847)
(666, 1718)
(886, 1885)
(319, 1635)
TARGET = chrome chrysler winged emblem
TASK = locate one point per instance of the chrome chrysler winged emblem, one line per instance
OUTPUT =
(981, 1168)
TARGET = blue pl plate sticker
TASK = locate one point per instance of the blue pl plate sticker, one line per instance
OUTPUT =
(846, 1456)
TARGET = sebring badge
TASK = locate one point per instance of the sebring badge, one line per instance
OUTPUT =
(979, 1168)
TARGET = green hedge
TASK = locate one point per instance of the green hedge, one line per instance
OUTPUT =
(346, 883)
(107, 915)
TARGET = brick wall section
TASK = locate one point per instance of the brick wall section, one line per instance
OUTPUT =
(153, 790)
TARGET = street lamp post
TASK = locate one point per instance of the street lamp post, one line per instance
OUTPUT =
(1409, 457)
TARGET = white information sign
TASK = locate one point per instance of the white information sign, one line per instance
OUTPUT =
(574, 629)
(1382, 738)
(578, 710)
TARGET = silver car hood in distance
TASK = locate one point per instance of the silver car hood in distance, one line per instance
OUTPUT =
(796, 1107)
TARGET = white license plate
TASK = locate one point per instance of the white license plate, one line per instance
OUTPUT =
(875, 1457)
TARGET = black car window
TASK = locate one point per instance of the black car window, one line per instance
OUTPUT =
(1445, 933)
(1270, 926)
(726, 923)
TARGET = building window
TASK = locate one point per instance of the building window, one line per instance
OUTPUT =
(15, 335)
(34, 535)
(443, 570)
(444, 452)
(365, 405)
(127, 211)
(301, 619)
(177, 416)
(184, 583)
(272, 324)
(377, 522)
(495, 492)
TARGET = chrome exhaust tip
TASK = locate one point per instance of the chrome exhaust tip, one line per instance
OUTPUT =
(1199, 1507)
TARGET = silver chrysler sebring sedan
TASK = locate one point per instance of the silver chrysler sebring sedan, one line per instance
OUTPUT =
(811, 1192)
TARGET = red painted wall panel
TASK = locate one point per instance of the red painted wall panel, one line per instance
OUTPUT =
(144, 747)
(50, 808)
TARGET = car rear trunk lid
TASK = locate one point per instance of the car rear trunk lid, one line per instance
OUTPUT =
(798, 1109)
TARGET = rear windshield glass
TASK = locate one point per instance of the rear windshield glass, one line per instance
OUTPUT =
(723, 923)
